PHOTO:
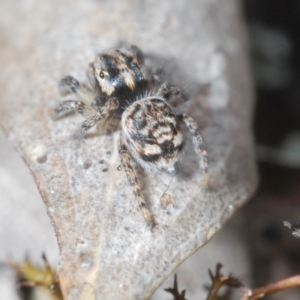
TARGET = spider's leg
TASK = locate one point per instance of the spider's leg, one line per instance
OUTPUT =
(131, 177)
(169, 90)
(157, 76)
(69, 106)
(198, 144)
(70, 85)
(107, 110)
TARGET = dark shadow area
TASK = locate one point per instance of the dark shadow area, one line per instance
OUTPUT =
(274, 32)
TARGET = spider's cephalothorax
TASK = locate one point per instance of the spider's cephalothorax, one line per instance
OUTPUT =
(150, 130)
(119, 73)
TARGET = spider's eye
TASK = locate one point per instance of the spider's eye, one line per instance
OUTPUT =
(101, 75)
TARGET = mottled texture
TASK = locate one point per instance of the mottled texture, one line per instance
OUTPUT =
(107, 251)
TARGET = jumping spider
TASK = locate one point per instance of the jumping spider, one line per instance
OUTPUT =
(150, 130)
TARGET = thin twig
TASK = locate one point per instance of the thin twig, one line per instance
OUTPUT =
(174, 291)
(218, 280)
(271, 288)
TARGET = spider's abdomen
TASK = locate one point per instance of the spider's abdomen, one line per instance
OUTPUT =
(152, 133)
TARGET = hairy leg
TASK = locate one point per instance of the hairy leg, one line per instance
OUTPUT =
(169, 91)
(69, 106)
(131, 177)
(70, 85)
(199, 145)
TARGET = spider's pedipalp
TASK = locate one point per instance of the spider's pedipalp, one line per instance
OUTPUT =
(107, 110)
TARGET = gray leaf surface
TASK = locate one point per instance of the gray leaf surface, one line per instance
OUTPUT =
(107, 249)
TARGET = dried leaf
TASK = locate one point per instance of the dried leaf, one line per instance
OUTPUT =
(107, 250)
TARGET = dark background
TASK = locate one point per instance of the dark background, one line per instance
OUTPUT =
(274, 39)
